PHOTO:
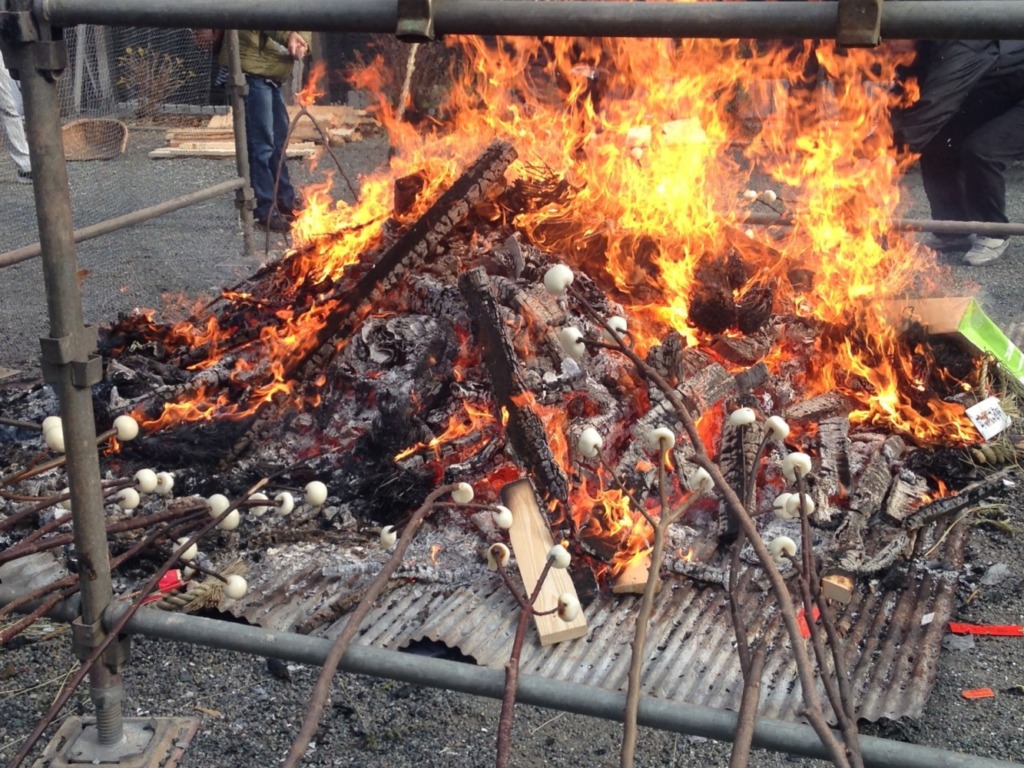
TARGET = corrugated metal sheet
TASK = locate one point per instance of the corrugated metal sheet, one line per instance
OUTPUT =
(32, 571)
(891, 651)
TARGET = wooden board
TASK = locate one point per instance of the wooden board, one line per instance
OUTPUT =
(531, 542)
(327, 116)
(221, 149)
(633, 580)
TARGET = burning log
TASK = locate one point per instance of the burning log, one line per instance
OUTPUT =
(536, 309)
(414, 244)
(743, 350)
(525, 428)
(675, 361)
(828, 405)
(967, 497)
(531, 542)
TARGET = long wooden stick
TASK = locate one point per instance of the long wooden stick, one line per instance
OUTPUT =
(805, 669)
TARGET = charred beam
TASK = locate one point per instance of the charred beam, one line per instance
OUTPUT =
(525, 428)
(390, 267)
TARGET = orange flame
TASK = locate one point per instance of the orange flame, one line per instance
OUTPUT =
(474, 420)
(654, 140)
(312, 91)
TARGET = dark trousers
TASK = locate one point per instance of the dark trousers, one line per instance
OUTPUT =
(963, 167)
(266, 127)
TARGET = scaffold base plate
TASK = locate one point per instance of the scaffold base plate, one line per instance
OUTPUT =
(149, 742)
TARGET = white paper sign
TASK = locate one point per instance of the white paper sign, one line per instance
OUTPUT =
(989, 417)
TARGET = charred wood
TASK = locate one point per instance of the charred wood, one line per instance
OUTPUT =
(416, 243)
(525, 429)
(825, 406)
(698, 571)
(860, 562)
(874, 481)
(833, 464)
(675, 361)
(706, 388)
(743, 350)
(754, 309)
(967, 497)
(903, 499)
(712, 307)
(736, 457)
(437, 298)
(407, 192)
(389, 268)
(751, 378)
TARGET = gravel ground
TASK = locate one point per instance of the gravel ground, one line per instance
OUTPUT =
(249, 716)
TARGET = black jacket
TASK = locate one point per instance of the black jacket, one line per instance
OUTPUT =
(949, 72)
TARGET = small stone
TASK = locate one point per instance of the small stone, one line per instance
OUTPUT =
(958, 642)
(996, 574)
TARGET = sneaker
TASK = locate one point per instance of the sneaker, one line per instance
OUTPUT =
(938, 241)
(985, 250)
(275, 222)
(24, 177)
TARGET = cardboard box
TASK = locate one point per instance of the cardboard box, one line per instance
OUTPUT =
(961, 316)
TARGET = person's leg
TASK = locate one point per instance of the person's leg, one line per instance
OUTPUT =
(986, 154)
(259, 128)
(285, 190)
(11, 117)
(940, 174)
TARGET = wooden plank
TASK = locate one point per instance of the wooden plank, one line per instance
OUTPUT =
(198, 134)
(328, 117)
(633, 580)
(221, 121)
(215, 151)
(531, 542)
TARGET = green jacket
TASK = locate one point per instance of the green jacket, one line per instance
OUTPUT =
(264, 53)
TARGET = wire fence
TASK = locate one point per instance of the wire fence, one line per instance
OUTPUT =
(149, 80)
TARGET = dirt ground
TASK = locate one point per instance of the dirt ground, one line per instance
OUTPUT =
(249, 713)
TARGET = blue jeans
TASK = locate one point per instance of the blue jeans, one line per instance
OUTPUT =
(266, 127)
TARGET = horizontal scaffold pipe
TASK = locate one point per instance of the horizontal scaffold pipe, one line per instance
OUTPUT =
(774, 735)
(917, 19)
(129, 219)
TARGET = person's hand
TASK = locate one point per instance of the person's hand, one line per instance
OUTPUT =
(297, 46)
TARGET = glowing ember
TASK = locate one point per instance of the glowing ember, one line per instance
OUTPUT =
(473, 422)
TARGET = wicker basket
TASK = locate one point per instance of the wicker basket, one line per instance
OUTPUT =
(94, 139)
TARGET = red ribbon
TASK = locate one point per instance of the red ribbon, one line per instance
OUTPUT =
(804, 629)
(998, 630)
(169, 582)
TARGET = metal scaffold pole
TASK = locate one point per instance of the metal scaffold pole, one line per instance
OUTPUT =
(70, 362)
(922, 19)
